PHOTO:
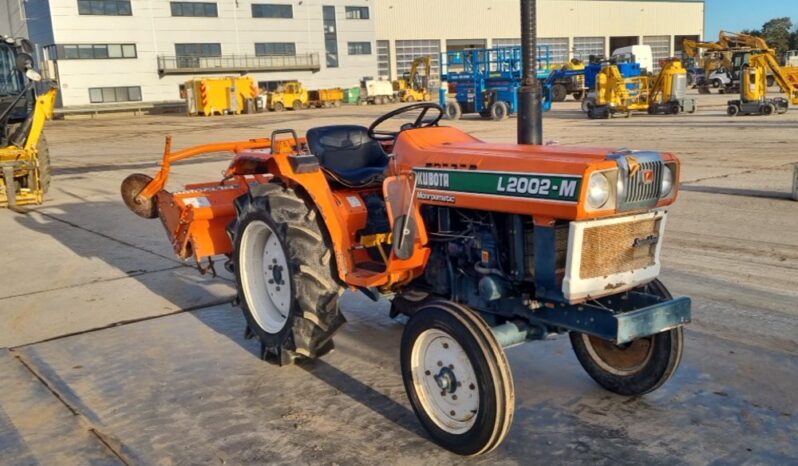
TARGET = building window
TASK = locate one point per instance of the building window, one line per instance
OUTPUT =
(359, 48)
(499, 43)
(275, 48)
(194, 9)
(92, 51)
(584, 47)
(99, 95)
(384, 59)
(198, 50)
(357, 12)
(271, 10)
(105, 7)
(330, 36)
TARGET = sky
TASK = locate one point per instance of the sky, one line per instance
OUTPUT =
(736, 15)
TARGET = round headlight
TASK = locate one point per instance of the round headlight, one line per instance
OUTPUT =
(667, 182)
(598, 190)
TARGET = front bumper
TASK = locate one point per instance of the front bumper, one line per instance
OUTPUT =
(620, 318)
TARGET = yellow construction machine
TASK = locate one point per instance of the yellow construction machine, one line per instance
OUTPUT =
(665, 93)
(668, 93)
(413, 86)
(616, 94)
(753, 87)
(290, 95)
(24, 157)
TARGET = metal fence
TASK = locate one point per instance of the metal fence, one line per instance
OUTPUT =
(238, 63)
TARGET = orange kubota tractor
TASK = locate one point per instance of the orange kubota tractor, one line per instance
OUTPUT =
(482, 245)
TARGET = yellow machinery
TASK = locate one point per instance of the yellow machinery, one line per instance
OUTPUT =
(220, 96)
(326, 97)
(668, 93)
(24, 157)
(753, 87)
(573, 84)
(290, 95)
(414, 86)
(616, 94)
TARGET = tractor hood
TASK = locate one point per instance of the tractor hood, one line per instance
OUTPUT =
(456, 168)
(447, 147)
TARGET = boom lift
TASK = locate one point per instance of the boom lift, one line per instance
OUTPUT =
(617, 94)
(482, 245)
(753, 89)
(414, 86)
(668, 94)
(24, 156)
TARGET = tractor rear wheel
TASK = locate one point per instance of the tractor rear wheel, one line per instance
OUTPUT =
(297, 105)
(44, 164)
(457, 378)
(634, 368)
(769, 109)
(285, 274)
(732, 110)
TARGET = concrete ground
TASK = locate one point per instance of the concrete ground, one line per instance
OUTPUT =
(117, 353)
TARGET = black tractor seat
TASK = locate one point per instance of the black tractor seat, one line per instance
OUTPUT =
(347, 155)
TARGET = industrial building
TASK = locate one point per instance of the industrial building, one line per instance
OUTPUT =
(103, 52)
(110, 51)
(571, 28)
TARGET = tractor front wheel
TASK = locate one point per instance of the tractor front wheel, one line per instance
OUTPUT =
(279, 107)
(634, 368)
(284, 273)
(297, 105)
(457, 378)
(732, 110)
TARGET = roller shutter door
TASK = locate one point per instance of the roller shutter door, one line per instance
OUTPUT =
(584, 47)
(408, 50)
(660, 49)
(558, 47)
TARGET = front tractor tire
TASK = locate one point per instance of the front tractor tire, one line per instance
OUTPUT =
(635, 368)
(457, 378)
(284, 273)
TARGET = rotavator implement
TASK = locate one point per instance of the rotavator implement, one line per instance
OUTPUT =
(482, 245)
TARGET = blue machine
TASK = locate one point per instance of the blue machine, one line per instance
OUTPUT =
(485, 81)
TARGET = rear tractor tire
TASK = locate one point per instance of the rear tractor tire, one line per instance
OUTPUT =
(635, 368)
(297, 105)
(457, 378)
(732, 110)
(285, 274)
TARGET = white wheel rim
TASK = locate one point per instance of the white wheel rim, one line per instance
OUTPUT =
(445, 381)
(265, 277)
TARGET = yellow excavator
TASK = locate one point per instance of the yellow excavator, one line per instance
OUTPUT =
(413, 86)
(24, 157)
(753, 87)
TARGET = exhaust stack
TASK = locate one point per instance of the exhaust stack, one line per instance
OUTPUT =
(530, 114)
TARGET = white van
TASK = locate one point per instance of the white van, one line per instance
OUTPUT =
(640, 54)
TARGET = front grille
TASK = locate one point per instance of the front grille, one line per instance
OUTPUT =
(620, 247)
(641, 175)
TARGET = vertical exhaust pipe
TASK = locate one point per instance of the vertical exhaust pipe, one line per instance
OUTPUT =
(530, 114)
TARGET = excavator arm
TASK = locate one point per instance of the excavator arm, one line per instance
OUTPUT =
(788, 82)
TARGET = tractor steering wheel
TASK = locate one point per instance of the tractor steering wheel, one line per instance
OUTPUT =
(382, 135)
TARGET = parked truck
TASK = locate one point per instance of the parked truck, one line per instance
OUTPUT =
(376, 92)
(220, 96)
(325, 97)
